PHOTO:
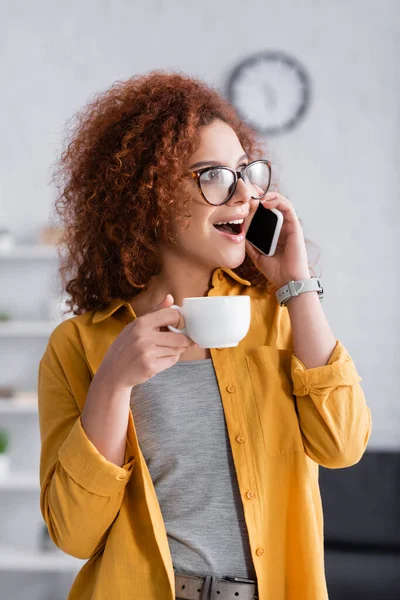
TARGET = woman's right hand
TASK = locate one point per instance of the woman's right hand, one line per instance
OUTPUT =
(142, 349)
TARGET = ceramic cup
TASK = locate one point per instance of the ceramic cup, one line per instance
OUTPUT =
(215, 321)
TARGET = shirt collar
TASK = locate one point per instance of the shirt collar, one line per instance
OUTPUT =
(234, 276)
(101, 315)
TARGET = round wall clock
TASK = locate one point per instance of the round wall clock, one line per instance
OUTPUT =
(270, 91)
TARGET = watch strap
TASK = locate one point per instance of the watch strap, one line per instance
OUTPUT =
(294, 288)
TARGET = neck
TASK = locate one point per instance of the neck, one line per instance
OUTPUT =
(178, 278)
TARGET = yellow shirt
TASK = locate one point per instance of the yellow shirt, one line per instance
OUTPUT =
(283, 421)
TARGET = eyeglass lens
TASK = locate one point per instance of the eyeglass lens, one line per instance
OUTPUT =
(218, 183)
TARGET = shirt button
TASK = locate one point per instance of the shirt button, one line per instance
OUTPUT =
(230, 388)
(239, 438)
(260, 551)
(250, 495)
(220, 276)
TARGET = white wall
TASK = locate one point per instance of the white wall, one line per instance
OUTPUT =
(339, 167)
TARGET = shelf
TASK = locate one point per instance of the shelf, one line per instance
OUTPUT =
(14, 559)
(29, 252)
(15, 407)
(17, 481)
(27, 328)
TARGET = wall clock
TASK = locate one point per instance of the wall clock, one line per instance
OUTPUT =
(270, 91)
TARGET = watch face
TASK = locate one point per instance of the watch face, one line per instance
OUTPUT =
(270, 91)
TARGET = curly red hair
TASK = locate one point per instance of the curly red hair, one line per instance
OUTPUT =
(120, 183)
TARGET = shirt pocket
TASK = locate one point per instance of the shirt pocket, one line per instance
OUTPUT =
(270, 375)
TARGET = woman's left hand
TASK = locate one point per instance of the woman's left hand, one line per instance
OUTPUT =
(290, 260)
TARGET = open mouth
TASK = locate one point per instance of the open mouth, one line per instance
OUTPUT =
(231, 228)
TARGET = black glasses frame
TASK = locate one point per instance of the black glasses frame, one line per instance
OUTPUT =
(237, 174)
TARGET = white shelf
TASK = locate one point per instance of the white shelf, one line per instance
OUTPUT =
(26, 329)
(20, 481)
(15, 407)
(29, 252)
(14, 559)
(19, 559)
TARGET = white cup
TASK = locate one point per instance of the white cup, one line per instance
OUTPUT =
(215, 321)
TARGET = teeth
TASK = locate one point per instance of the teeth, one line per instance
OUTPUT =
(226, 222)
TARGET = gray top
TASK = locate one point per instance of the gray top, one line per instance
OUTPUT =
(180, 423)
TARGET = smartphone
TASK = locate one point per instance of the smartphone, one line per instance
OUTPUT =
(264, 229)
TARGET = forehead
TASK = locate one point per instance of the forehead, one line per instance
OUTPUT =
(218, 142)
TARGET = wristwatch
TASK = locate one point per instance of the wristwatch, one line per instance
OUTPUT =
(294, 288)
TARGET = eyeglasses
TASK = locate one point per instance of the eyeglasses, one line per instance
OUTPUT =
(218, 184)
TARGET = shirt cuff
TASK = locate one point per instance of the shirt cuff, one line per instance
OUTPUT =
(90, 469)
(340, 370)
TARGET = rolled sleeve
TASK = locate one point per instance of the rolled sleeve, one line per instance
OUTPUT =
(339, 370)
(334, 418)
(90, 469)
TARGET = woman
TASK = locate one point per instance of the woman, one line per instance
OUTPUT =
(174, 469)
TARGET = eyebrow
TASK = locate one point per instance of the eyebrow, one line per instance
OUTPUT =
(207, 163)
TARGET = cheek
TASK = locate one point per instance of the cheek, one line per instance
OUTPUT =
(197, 230)
(253, 206)
(200, 223)
(202, 229)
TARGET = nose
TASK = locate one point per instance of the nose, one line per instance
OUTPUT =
(242, 193)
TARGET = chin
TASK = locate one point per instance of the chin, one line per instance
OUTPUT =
(234, 261)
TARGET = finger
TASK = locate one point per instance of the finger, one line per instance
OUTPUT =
(259, 190)
(282, 204)
(172, 340)
(162, 317)
(167, 357)
(275, 198)
(165, 303)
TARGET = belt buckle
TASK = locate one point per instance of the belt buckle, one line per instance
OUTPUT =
(240, 579)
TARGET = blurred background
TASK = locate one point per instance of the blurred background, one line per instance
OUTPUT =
(320, 82)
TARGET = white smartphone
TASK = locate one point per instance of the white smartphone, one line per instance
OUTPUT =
(265, 228)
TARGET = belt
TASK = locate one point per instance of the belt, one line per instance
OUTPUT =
(210, 587)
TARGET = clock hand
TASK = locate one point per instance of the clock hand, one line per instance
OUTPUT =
(270, 96)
